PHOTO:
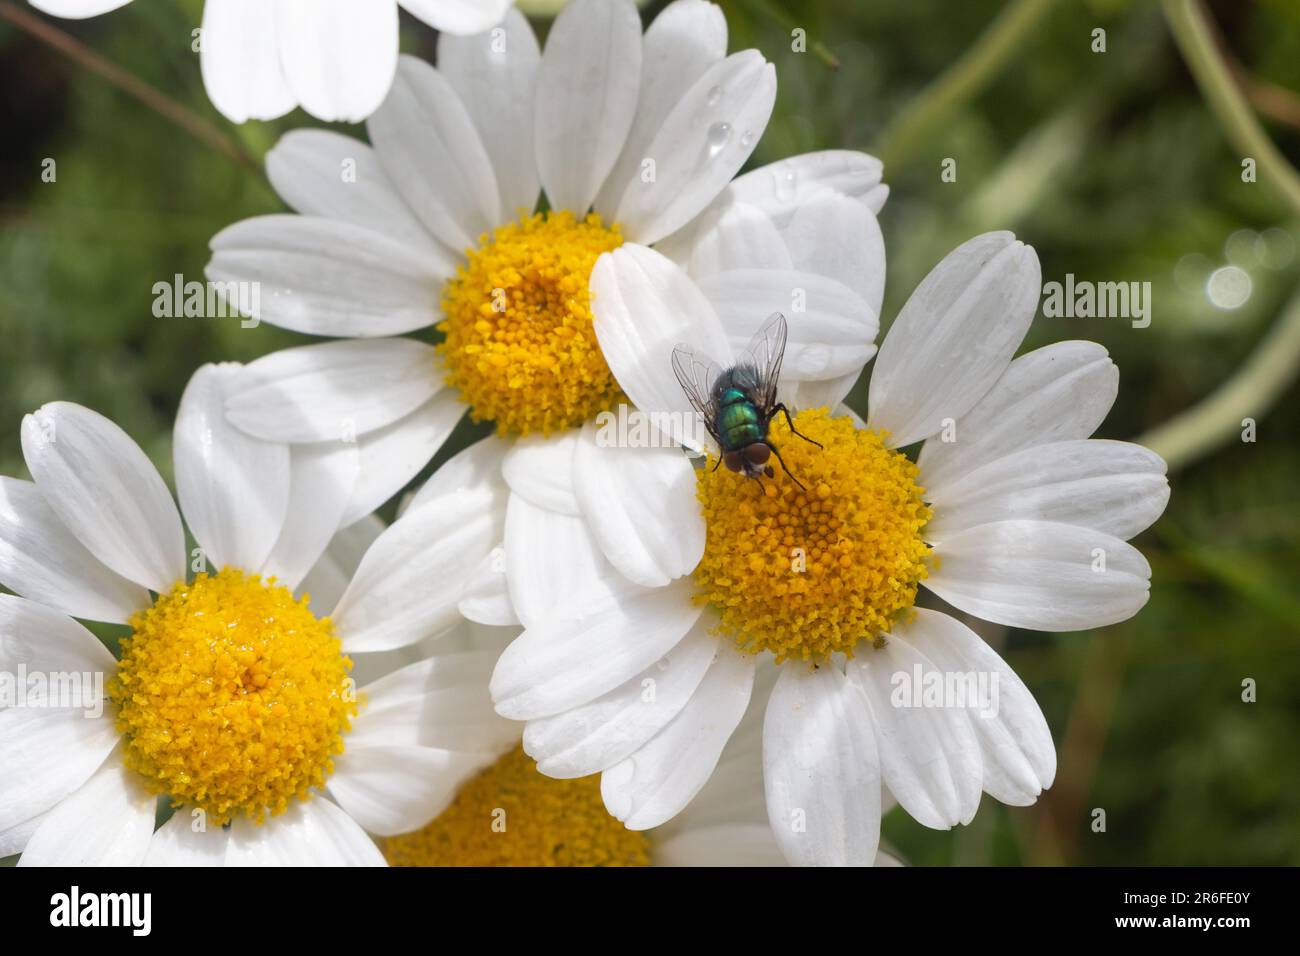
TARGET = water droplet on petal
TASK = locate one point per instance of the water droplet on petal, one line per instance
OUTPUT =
(715, 94)
(748, 139)
(718, 135)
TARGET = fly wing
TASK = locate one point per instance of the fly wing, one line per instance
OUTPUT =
(697, 374)
(763, 355)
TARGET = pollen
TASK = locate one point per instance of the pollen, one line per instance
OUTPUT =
(806, 573)
(232, 697)
(512, 815)
(519, 343)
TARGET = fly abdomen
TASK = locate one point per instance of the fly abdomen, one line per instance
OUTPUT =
(739, 424)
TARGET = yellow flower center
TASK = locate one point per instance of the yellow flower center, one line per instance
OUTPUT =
(511, 815)
(231, 696)
(519, 346)
(806, 574)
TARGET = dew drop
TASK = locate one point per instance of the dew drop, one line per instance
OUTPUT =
(715, 94)
(718, 135)
(748, 139)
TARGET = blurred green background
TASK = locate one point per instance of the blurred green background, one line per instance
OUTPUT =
(1110, 164)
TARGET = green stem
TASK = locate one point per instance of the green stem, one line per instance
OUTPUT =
(1248, 394)
(963, 80)
(1196, 40)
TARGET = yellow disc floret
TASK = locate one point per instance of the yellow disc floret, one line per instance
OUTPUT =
(512, 815)
(231, 696)
(519, 345)
(808, 573)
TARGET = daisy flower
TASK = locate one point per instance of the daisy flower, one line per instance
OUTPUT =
(1011, 514)
(634, 140)
(334, 58)
(231, 695)
(511, 815)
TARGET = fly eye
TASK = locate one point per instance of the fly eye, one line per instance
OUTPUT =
(734, 461)
(757, 454)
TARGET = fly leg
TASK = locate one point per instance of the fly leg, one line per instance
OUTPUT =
(780, 407)
(783, 464)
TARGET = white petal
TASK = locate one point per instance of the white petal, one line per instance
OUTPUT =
(393, 455)
(1114, 487)
(641, 508)
(1018, 755)
(47, 754)
(703, 143)
(331, 575)
(240, 60)
(955, 336)
(685, 39)
(1041, 575)
(473, 467)
(734, 235)
(312, 833)
(837, 236)
(643, 306)
(590, 644)
(47, 641)
(655, 783)
(737, 844)
(780, 189)
(328, 277)
(409, 582)
(13, 839)
(485, 598)
(587, 88)
(107, 493)
(338, 55)
(322, 478)
(233, 488)
(322, 173)
(77, 9)
(539, 468)
(495, 74)
(820, 769)
(335, 390)
(396, 789)
(40, 559)
(929, 755)
(549, 557)
(597, 735)
(832, 330)
(108, 822)
(458, 16)
(1055, 393)
(178, 843)
(428, 144)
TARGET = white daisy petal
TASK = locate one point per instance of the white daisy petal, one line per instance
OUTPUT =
(685, 39)
(108, 822)
(14, 838)
(458, 16)
(700, 146)
(477, 466)
(48, 641)
(1114, 487)
(929, 756)
(327, 277)
(549, 556)
(427, 142)
(393, 455)
(539, 468)
(42, 560)
(643, 306)
(311, 833)
(599, 734)
(837, 236)
(1018, 755)
(392, 789)
(820, 769)
(107, 493)
(1055, 393)
(613, 484)
(240, 60)
(322, 173)
(233, 488)
(955, 336)
(409, 581)
(48, 753)
(660, 779)
(832, 330)
(331, 575)
(781, 188)
(734, 235)
(485, 597)
(334, 391)
(1041, 575)
(338, 56)
(178, 843)
(322, 478)
(737, 844)
(590, 644)
(587, 88)
(495, 74)
(77, 9)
